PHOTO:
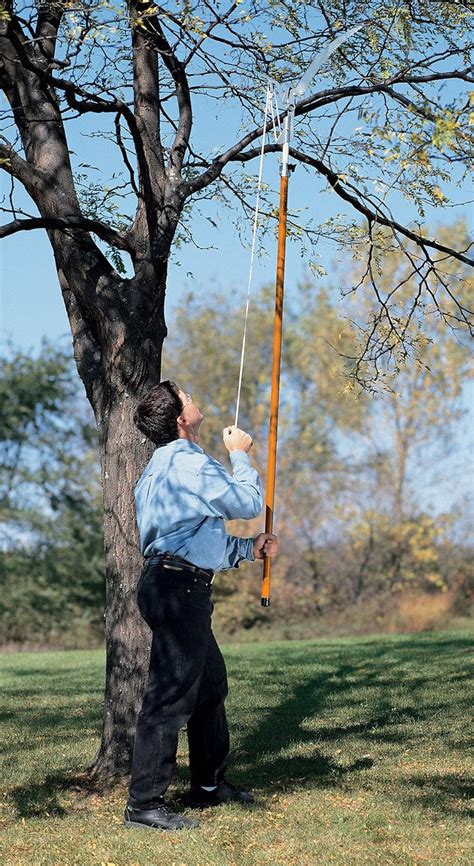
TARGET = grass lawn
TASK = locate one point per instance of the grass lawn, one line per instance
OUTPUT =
(355, 750)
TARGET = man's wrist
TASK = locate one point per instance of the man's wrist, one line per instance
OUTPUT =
(239, 455)
(250, 552)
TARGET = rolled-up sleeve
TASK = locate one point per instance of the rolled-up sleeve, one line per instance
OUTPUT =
(229, 496)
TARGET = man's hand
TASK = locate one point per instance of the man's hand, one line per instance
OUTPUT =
(264, 545)
(236, 440)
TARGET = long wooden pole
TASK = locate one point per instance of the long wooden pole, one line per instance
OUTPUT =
(275, 392)
(275, 396)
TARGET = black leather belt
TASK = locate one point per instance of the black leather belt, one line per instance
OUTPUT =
(176, 563)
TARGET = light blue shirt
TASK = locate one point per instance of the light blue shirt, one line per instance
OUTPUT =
(183, 498)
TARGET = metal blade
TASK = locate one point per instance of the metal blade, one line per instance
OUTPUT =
(321, 58)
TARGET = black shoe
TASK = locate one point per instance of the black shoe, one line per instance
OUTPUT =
(198, 798)
(158, 818)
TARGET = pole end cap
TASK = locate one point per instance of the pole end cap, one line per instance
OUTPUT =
(265, 602)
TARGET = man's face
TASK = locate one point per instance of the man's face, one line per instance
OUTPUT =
(190, 412)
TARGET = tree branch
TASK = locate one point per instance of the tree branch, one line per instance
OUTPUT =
(47, 26)
(150, 27)
(73, 223)
(373, 216)
(123, 151)
(317, 100)
(220, 19)
(78, 98)
(310, 103)
(89, 102)
(13, 164)
(147, 101)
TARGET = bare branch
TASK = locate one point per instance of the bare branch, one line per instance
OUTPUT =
(73, 223)
(151, 29)
(147, 100)
(218, 20)
(333, 94)
(374, 216)
(47, 26)
(84, 101)
(319, 100)
(123, 151)
(13, 164)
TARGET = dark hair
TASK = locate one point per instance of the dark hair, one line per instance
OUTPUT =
(156, 415)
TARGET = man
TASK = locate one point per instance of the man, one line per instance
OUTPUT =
(182, 500)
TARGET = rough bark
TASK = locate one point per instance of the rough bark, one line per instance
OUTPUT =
(123, 455)
(117, 361)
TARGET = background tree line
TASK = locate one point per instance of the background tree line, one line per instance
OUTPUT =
(50, 503)
(363, 545)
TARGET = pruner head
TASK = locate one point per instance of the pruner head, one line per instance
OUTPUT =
(289, 95)
(284, 97)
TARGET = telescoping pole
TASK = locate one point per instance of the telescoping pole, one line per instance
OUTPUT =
(290, 99)
(277, 332)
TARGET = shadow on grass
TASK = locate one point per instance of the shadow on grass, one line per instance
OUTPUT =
(451, 793)
(261, 758)
(280, 752)
(43, 799)
(60, 726)
(46, 725)
(277, 752)
(36, 801)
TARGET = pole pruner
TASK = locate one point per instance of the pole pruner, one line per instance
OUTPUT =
(289, 99)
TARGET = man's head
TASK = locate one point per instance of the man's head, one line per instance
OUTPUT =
(166, 413)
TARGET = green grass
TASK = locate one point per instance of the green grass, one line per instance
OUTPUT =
(356, 751)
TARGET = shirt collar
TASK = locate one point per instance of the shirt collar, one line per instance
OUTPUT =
(182, 445)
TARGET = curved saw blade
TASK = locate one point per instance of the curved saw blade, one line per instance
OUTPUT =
(321, 58)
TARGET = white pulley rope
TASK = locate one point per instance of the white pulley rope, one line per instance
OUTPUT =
(269, 106)
(283, 134)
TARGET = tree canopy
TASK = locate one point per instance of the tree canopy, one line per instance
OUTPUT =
(388, 118)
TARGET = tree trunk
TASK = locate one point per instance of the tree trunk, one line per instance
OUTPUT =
(123, 456)
(357, 580)
(118, 362)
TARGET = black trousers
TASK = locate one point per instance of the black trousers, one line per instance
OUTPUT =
(187, 686)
